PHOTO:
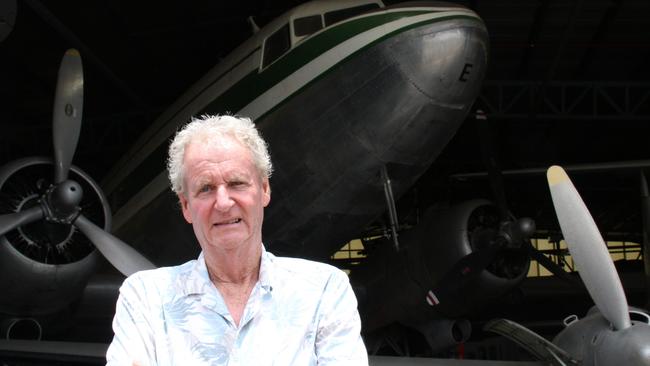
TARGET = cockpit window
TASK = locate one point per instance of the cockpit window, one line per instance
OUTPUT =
(307, 25)
(276, 45)
(339, 15)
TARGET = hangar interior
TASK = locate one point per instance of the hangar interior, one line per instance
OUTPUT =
(567, 83)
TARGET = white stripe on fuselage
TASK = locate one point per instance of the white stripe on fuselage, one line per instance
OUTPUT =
(301, 77)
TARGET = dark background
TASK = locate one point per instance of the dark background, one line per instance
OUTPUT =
(568, 83)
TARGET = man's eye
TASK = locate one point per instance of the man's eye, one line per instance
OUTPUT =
(205, 188)
(237, 184)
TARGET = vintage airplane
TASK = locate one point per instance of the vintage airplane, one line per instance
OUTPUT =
(356, 99)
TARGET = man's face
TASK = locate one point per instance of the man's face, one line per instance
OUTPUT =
(224, 195)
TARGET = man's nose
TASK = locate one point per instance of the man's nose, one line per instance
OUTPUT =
(223, 201)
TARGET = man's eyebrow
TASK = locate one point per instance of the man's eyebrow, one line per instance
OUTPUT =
(237, 176)
(200, 181)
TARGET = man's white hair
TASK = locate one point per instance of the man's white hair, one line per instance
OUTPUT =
(211, 129)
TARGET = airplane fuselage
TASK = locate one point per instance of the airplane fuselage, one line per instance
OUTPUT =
(387, 87)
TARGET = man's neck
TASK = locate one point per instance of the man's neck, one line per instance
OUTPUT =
(240, 266)
(235, 274)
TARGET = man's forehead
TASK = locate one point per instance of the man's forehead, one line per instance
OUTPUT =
(223, 150)
(214, 144)
(232, 159)
(225, 170)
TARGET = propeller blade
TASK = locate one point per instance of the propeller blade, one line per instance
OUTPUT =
(554, 268)
(588, 249)
(12, 221)
(68, 107)
(488, 152)
(645, 229)
(122, 256)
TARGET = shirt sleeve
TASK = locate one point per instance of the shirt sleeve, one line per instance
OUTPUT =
(338, 338)
(133, 339)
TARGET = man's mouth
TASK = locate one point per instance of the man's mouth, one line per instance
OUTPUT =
(228, 222)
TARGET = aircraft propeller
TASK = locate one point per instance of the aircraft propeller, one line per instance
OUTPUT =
(588, 249)
(607, 335)
(516, 232)
(497, 186)
(60, 201)
(68, 109)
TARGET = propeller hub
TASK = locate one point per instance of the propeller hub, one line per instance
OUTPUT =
(526, 227)
(61, 202)
(515, 233)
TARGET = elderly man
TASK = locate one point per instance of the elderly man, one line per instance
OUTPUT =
(237, 304)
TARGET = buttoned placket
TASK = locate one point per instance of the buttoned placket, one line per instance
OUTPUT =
(212, 299)
(259, 295)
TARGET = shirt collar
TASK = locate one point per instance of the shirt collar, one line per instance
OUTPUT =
(266, 271)
(197, 279)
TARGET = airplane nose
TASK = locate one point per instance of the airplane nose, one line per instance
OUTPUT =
(445, 61)
(435, 74)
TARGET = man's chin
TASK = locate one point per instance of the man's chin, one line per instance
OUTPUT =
(229, 242)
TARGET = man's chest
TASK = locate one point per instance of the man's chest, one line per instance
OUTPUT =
(269, 334)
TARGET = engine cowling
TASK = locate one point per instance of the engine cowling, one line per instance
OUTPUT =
(469, 229)
(44, 266)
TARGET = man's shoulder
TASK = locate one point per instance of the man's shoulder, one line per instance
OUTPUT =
(301, 264)
(304, 270)
(161, 277)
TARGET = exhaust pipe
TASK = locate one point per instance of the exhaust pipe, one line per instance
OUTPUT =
(444, 333)
(21, 328)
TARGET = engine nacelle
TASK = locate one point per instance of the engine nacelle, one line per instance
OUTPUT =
(406, 286)
(44, 266)
(450, 235)
(32, 288)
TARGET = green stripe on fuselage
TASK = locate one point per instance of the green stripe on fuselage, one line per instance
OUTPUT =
(255, 84)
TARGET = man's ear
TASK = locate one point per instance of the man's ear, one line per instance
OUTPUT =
(185, 207)
(266, 192)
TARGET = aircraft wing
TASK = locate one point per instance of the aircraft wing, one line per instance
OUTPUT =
(416, 361)
(68, 352)
(94, 353)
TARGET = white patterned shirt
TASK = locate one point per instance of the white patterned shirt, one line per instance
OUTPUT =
(299, 313)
